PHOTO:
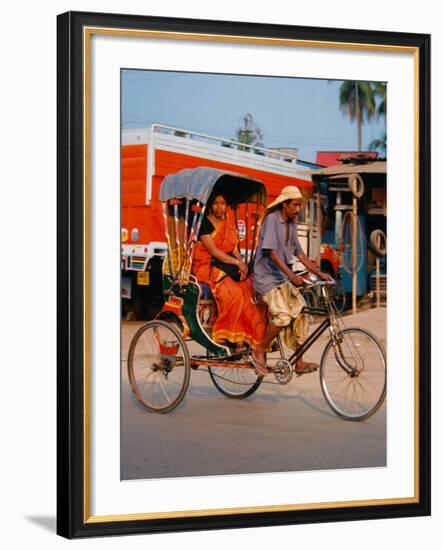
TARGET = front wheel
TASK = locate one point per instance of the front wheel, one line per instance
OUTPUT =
(353, 374)
(158, 366)
(235, 382)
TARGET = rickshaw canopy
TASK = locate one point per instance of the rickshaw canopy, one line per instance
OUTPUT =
(198, 183)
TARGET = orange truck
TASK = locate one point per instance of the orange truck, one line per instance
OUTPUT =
(147, 156)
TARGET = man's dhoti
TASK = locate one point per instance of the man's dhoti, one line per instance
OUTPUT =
(285, 303)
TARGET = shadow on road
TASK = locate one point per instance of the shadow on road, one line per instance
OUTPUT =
(263, 395)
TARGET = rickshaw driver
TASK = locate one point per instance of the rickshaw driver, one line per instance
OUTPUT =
(275, 280)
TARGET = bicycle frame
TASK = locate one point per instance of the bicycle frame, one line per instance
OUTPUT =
(229, 360)
(313, 336)
(329, 312)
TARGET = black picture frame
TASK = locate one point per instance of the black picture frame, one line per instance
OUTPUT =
(73, 519)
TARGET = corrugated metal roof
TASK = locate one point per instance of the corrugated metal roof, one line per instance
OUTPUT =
(331, 158)
(377, 167)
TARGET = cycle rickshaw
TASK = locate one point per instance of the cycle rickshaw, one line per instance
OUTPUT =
(353, 365)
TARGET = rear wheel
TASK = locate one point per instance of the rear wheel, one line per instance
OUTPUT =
(158, 366)
(353, 374)
(235, 382)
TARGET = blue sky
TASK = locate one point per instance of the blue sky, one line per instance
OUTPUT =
(290, 112)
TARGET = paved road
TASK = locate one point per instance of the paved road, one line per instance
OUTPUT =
(278, 428)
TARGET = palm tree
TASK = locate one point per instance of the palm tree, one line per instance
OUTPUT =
(379, 143)
(357, 100)
(380, 93)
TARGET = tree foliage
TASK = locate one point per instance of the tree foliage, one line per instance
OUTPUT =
(363, 102)
(380, 93)
(249, 132)
(357, 100)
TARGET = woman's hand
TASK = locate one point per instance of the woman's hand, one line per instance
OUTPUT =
(243, 269)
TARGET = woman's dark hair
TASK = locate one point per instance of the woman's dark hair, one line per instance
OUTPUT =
(214, 195)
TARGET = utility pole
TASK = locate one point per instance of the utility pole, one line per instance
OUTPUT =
(248, 133)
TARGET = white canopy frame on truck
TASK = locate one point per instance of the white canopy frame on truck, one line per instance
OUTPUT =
(217, 148)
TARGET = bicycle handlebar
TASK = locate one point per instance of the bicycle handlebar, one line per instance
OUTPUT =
(317, 282)
(309, 284)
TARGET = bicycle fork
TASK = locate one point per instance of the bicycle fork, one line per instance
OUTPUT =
(337, 340)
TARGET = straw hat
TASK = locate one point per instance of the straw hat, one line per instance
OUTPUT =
(288, 193)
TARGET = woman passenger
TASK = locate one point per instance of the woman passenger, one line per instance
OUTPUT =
(217, 262)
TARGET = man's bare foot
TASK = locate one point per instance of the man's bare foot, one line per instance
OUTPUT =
(258, 361)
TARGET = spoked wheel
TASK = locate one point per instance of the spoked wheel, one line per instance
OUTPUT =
(353, 374)
(158, 366)
(235, 382)
(340, 297)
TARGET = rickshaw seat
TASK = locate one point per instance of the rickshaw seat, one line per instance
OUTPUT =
(206, 292)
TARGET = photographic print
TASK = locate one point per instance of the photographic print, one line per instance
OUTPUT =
(203, 159)
(243, 275)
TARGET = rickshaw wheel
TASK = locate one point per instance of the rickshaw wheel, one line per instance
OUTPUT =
(158, 366)
(235, 382)
(353, 374)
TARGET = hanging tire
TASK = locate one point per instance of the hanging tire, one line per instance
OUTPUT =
(356, 185)
(378, 242)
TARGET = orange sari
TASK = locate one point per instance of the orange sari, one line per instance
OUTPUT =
(239, 320)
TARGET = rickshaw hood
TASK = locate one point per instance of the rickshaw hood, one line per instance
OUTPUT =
(197, 183)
